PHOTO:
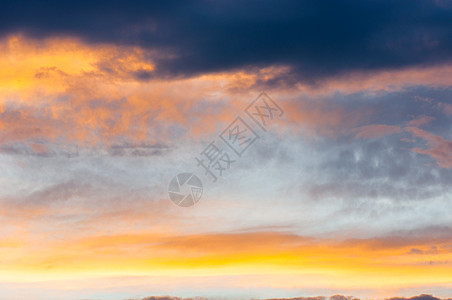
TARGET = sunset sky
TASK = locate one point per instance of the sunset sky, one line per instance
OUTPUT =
(348, 190)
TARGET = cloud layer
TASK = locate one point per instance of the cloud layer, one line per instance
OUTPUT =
(101, 104)
(316, 40)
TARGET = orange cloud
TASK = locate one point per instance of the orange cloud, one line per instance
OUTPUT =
(438, 148)
(321, 117)
(422, 120)
(373, 262)
(62, 89)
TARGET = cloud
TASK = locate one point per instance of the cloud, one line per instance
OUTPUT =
(447, 108)
(301, 298)
(139, 149)
(102, 103)
(335, 297)
(439, 148)
(169, 298)
(420, 297)
(316, 39)
(376, 131)
(419, 121)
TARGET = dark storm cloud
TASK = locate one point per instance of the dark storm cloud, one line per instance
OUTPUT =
(315, 38)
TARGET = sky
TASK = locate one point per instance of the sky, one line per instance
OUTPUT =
(330, 123)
